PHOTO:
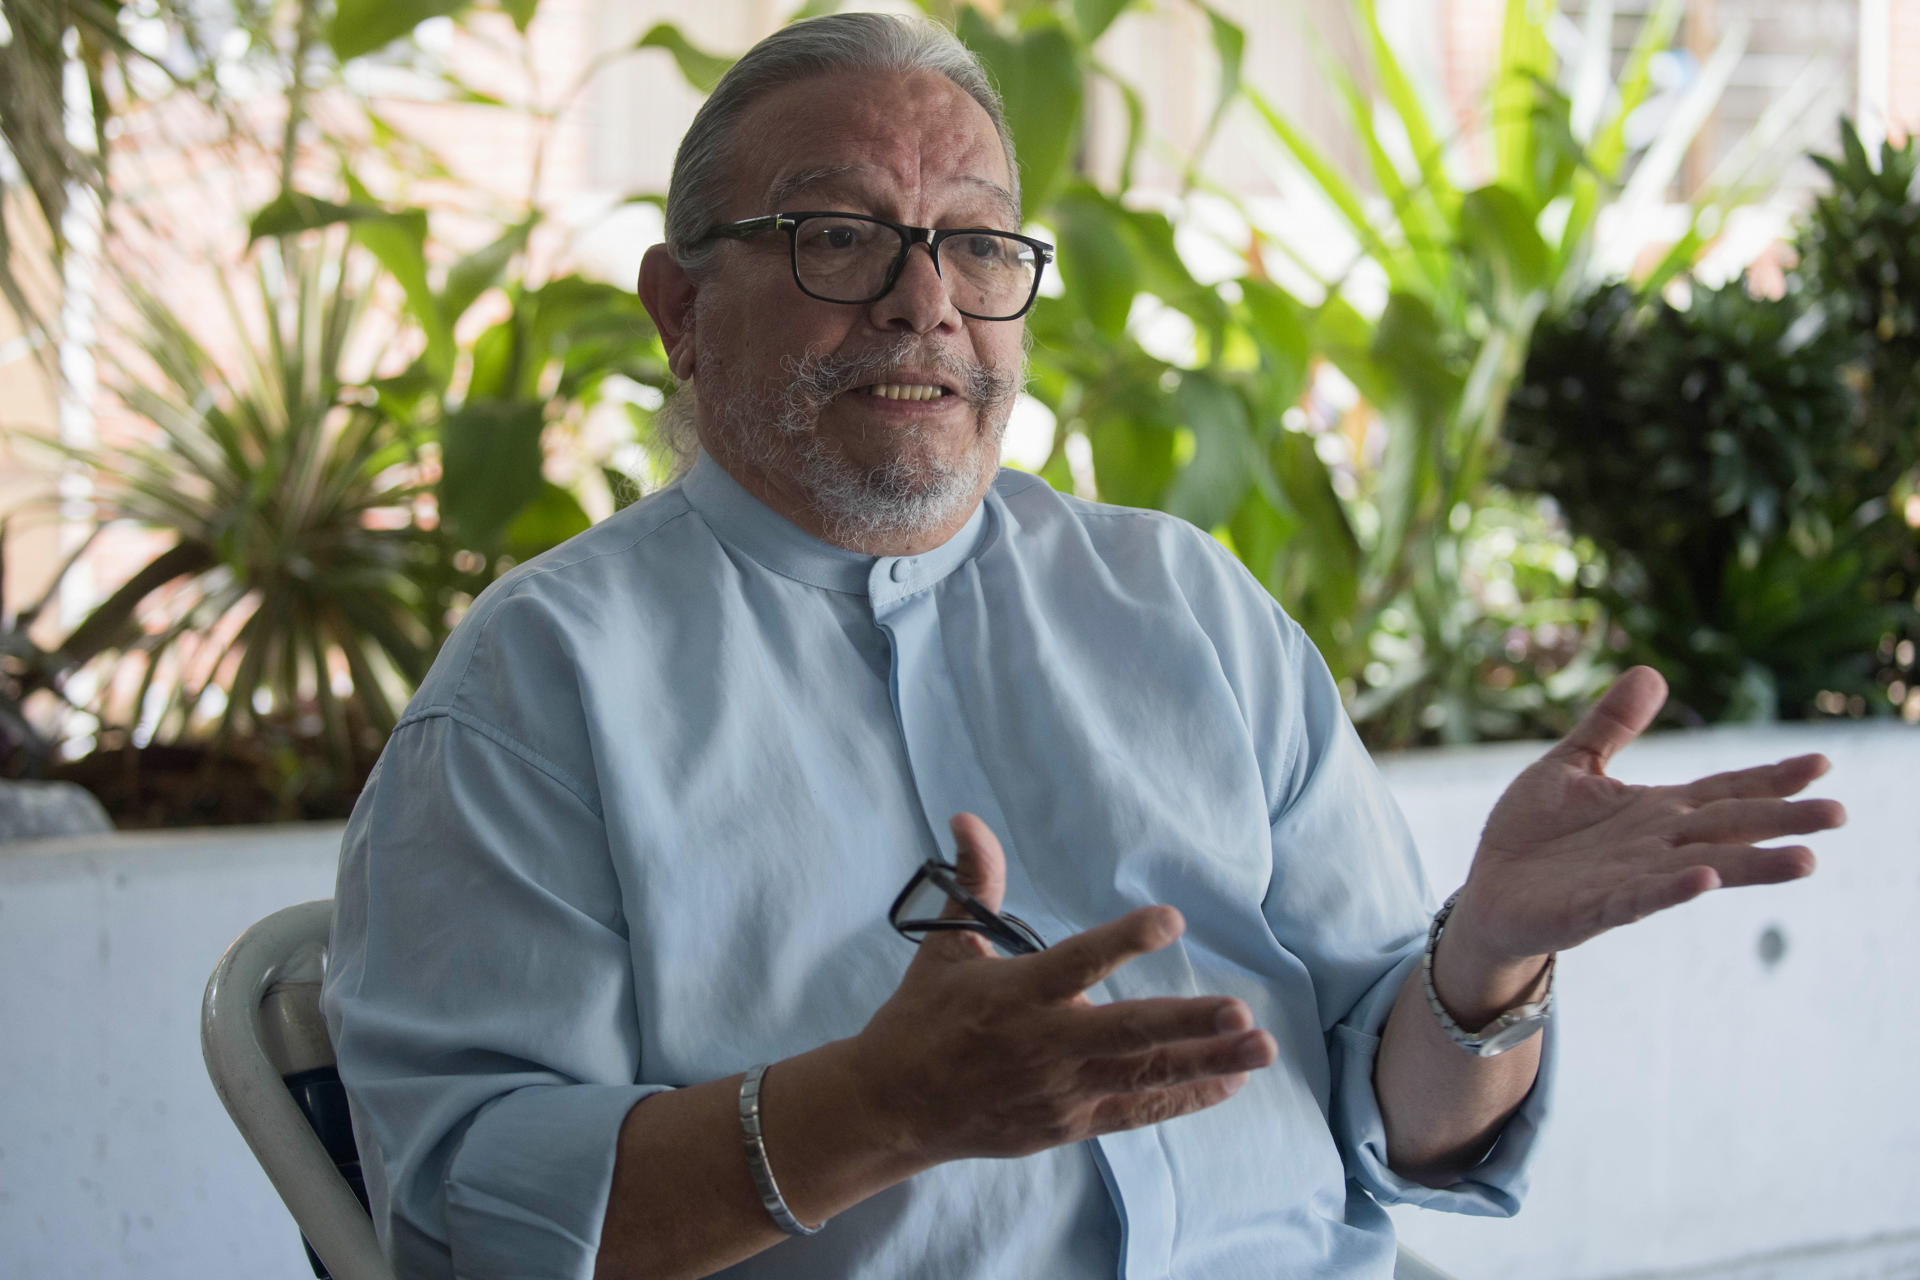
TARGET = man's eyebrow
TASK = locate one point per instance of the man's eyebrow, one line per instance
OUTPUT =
(785, 189)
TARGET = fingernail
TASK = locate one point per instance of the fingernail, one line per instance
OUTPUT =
(1232, 1017)
(1252, 1051)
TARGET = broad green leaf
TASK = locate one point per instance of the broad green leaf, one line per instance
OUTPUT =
(489, 468)
(1526, 60)
(1163, 272)
(400, 243)
(495, 369)
(474, 274)
(1230, 47)
(521, 11)
(1096, 265)
(1213, 484)
(292, 212)
(625, 489)
(362, 26)
(1319, 583)
(1133, 458)
(1346, 338)
(1280, 326)
(1260, 527)
(1093, 17)
(1039, 76)
(701, 69)
(1411, 344)
(1497, 227)
(1057, 472)
(548, 519)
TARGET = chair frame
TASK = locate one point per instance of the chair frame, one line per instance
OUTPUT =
(260, 1022)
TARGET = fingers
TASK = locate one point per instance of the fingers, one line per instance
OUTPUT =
(1748, 821)
(1728, 866)
(1621, 715)
(1640, 898)
(1135, 1110)
(1740, 865)
(982, 863)
(1066, 970)
(1180, 1064)
(1782, 778)
(1140, 1026)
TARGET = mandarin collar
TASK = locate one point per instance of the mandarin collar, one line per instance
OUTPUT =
(774, 542)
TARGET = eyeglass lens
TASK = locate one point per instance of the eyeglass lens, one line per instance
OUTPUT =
(988, 275)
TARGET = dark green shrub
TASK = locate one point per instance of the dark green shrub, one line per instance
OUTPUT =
(1746, 464)
(1713, 454)
(1860, 252)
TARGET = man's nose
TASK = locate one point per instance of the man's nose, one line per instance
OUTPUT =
(918, 301)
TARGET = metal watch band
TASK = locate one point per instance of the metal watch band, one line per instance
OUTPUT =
(757, 1157)
(1509, 1029)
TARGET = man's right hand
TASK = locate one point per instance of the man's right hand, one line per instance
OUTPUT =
(978, 1054)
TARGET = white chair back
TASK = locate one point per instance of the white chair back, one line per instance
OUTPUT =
(260, 1023)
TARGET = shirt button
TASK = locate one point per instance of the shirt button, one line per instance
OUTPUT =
(902, 569)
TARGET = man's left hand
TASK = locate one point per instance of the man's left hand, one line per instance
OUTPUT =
(1569, 853)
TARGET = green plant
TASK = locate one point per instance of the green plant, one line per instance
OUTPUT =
(1859, 250)
(1714, 454)
(1469, 271)
(486, 405)
(291, 585)
(1747, 464)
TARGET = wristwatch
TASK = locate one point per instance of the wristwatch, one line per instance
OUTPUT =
(1514, 1027)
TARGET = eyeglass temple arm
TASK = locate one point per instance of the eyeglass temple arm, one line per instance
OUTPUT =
(1009, 938)
(747, 227)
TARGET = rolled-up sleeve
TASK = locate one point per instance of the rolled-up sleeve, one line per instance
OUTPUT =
(1493, 1188)
(480, 998)
(1350, 899)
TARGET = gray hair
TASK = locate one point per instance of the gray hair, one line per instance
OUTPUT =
(875, 42)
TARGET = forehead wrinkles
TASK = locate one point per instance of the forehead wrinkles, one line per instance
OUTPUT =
(914, 135)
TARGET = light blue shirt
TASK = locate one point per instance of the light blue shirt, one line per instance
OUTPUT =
(641, 826)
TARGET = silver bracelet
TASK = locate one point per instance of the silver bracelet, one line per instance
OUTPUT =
(757, 1157)
(1514, 1027)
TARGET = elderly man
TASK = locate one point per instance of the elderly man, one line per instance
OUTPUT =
(618, 983)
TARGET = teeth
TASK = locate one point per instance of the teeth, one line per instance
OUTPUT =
(897, 391)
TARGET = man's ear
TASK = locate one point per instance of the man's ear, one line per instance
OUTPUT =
(667, 292)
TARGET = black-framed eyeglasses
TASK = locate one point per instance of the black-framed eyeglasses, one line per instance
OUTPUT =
(853, 258)
(922, 907)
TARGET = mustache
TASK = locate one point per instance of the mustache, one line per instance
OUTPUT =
(817, 378)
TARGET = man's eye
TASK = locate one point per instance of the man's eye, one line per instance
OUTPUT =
(837, 237)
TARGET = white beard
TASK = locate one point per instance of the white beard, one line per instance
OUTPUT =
(913, 494)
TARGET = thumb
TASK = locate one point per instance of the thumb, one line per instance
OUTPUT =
(982, 865)
(1622, 714)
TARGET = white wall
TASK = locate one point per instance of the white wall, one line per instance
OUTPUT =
(1712, 1108)
(116, 1159)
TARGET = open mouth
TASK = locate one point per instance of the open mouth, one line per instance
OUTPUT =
(904, 391)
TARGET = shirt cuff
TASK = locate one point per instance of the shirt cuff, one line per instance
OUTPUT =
(1493, 1188)
(527, 1190)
